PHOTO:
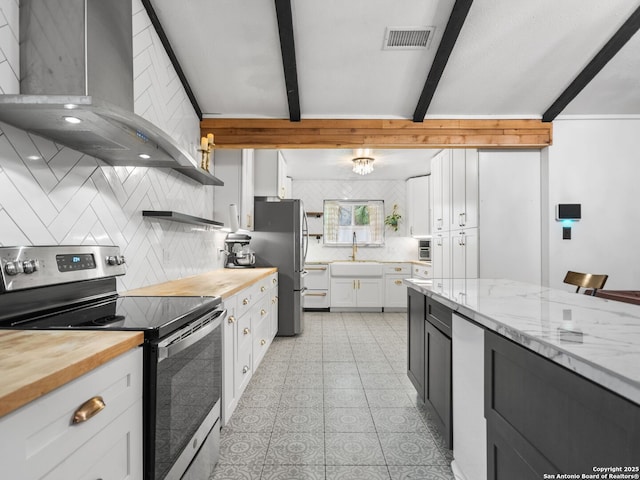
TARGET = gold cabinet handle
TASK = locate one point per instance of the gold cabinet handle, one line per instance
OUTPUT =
(262, 342)
(398, 269)
(245, 301)
(231, 319)
(274, 281)
(248, 220)
(263, 312)
(246, 331)
(88, 409)
(273, 301)
(323, 294)
(245, 369)
(398, 282)
(315, 268)
(263, 288)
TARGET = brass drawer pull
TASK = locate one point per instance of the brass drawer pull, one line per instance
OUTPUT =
(245, 301)
(246, 331)
(231, 319)
(398, 269)
(274, 281)
(88, 409)
(245, 369)
(321, 269)
(398, 282)
(263, 288)
(262, 342)
(263, 312)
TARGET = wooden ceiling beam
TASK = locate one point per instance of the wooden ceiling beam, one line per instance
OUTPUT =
(288, 49)
(597, 63)
(449, 38)
(377, 133)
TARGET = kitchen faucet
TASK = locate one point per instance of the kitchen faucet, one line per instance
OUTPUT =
(354, 247)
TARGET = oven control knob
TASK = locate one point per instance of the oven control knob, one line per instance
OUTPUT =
(121, 260)
(29, 266)
(112, 260)
(12, 268)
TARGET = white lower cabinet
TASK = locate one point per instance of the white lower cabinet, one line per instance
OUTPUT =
(395, 292)
(39, 441)
(422, 271)
(365, 292)
(441, 255)
(251, 325)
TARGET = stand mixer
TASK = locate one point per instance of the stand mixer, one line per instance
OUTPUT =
(238, 251)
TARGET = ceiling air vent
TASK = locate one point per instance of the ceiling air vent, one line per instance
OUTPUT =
(407, 38)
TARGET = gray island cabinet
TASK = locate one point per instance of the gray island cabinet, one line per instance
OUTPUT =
(540, 381)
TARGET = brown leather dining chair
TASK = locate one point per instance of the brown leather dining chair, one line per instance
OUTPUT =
(585, 280)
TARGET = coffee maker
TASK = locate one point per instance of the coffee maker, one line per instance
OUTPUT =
(238, 251)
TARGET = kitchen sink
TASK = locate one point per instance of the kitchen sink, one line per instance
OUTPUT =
(356, 269)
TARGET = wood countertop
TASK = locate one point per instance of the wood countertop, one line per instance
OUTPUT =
(33, 363)
(223, 282)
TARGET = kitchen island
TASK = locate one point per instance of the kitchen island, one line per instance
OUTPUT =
(556, 376)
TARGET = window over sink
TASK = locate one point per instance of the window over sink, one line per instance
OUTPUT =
(349, 220)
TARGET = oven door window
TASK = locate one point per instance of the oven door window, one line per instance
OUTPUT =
(188, 385)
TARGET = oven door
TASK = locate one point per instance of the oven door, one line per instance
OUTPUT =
(183, 389)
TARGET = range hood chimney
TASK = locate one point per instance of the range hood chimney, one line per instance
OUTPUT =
(76, 63)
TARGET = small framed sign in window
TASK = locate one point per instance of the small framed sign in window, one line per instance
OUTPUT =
(346, 220)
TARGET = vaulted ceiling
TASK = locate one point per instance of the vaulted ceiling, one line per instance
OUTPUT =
(508, 59)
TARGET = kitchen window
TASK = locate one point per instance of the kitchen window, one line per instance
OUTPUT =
(345, 218)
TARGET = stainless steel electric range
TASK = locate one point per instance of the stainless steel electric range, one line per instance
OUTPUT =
(74, 287)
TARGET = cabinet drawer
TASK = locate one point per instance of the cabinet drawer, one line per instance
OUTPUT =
(439, 316)
(420, 271)
(246, 299)
(261, 342)
(244, 332)
(398, 269)
(39, 436)
(316, 299)
(262, 287)
(115, 452)
(317, 277)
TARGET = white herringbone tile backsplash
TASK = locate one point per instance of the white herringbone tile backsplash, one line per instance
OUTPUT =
(69, 198)
(398, 246)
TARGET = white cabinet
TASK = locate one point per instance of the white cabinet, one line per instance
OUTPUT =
(364, 292)
(418, 211)
(271, 175)
(464, 253)
(440, 191)
(455, 245)
(395, 292)
(40, 442)
(235, 169)
(464, 189)
(251, 325)
(317, 283)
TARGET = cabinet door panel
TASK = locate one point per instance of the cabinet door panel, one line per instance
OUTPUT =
(369, 292)
(438, 379)
(343, 293)
(416, 306)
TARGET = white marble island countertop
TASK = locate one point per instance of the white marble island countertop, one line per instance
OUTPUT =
(594, 337)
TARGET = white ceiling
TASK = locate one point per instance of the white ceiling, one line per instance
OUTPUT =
(512, 59)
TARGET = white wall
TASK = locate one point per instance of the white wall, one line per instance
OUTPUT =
(398, 246)
(595, 162)
(509, 191)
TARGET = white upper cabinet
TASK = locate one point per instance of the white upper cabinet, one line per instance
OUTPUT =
(271, 175)
(418, 211)
(464, 188)
(440, 191)
(235, 169)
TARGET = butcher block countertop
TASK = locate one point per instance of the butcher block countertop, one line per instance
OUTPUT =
(223, 282)
(33, 363)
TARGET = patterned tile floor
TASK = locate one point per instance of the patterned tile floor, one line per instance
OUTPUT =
(334, 403)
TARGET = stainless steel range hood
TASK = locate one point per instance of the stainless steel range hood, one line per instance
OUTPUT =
(76, 64)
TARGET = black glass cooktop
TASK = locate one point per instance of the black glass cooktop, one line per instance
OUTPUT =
(156, 316)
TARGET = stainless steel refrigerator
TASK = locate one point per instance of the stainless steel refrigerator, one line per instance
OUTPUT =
(280, 240)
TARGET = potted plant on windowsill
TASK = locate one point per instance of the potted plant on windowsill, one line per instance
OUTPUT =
(394, 219)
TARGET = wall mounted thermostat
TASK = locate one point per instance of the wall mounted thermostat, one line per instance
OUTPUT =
(568, 211)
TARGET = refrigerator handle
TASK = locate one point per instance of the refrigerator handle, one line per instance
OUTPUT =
(305, 235)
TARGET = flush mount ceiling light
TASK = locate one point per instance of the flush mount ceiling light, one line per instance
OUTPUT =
(362, 161)
(144, 156)
(73, 120)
